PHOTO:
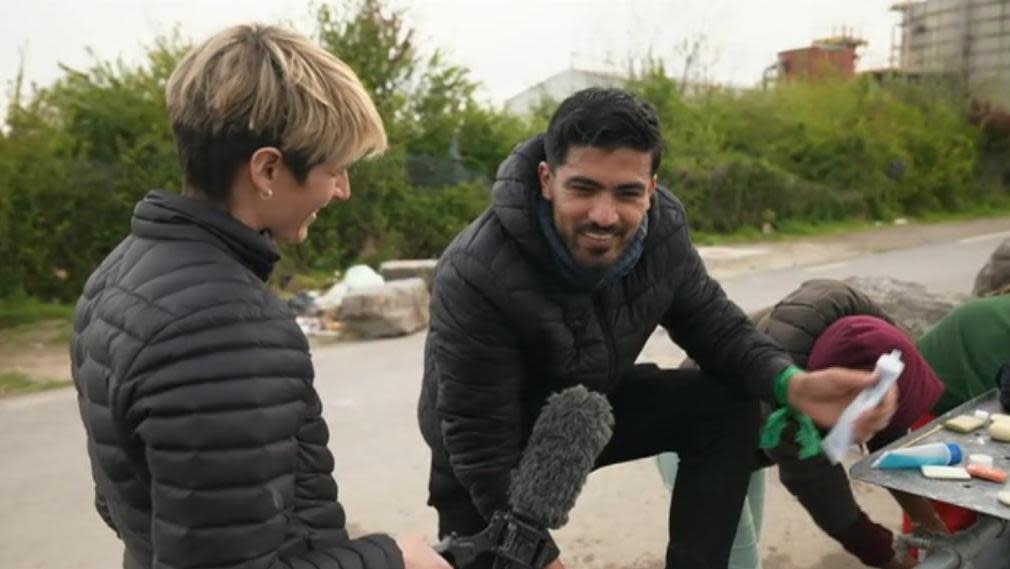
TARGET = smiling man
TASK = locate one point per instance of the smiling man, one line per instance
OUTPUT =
(561, 282)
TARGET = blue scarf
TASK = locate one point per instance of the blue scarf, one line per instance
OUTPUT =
(584, 278)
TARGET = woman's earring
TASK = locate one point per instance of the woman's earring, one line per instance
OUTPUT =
(267, 194)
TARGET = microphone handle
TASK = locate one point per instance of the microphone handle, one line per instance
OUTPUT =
(514, 542)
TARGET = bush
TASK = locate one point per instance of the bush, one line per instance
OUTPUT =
(815, 152)
(73, 161)
(76, 156)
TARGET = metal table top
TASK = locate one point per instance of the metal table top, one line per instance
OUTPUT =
(975, 494)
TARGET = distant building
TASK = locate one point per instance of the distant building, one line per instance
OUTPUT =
(833, 57)
(969, 39)
(559, 86)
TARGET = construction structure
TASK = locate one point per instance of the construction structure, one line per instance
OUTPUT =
(965, 39)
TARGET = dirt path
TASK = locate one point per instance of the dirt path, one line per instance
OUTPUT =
(39, 353)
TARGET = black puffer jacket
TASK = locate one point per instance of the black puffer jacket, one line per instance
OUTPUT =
(804, 314)
(506, 329)
(195, 386)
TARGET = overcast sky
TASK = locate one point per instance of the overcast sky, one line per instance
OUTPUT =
(508, 44)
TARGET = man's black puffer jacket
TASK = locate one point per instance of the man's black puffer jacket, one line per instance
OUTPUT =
(506, 329)
(205, 433)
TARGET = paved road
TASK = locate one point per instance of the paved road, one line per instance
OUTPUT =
(369, 392)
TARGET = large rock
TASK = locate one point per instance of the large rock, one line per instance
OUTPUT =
(395, 308)
(409, 268)
(913, 307)
(995, 275)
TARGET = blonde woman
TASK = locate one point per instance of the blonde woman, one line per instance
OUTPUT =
(205, 433)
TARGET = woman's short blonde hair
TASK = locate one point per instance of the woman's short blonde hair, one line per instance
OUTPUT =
(257, 85)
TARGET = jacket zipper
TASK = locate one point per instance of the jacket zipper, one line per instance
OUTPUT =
(600, 303)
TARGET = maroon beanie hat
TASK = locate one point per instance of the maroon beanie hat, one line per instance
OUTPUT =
(857, 341)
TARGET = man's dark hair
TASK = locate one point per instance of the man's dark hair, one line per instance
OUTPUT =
(603, 118)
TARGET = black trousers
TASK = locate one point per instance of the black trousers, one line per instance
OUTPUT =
(714, 431)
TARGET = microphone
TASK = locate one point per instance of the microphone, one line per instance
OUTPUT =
(567, 437)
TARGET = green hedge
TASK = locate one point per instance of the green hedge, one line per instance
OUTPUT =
(820, 152)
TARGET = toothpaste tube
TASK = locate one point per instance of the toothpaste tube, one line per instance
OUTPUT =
(932, 454)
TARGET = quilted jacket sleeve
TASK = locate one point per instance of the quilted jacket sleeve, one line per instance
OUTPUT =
(804, 314)
(224, 407)
(480, 374)
(714, 331)
(316, 505)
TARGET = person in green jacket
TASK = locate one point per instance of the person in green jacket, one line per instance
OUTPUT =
(967, 349)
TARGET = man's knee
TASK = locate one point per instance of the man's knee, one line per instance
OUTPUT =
(737, 411)
(727, 423)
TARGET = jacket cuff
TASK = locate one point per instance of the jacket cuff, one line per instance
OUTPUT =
(379, 551)
(492, 497)
(763, 381)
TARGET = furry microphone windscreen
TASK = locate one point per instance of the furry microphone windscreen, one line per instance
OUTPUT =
(568, 436)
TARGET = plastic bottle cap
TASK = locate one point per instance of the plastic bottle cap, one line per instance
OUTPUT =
(980, 459)
(891, 362)
(955, 453)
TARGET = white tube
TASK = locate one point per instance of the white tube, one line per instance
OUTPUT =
(837, 443)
